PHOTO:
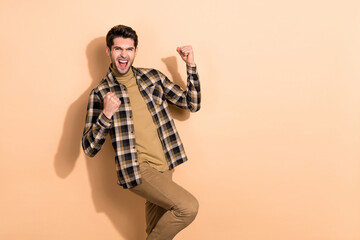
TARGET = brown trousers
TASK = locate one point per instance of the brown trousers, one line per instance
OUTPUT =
(169, 207)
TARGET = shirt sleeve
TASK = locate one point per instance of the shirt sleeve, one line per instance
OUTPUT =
(97, 126)
(189, 99)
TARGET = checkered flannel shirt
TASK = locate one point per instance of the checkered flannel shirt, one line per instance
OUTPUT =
(157, 91)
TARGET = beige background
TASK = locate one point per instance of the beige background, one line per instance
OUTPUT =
(274, 151)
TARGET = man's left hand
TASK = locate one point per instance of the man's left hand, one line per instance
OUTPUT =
(187, 54)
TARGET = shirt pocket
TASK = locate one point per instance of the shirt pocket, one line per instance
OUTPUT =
(157, 94)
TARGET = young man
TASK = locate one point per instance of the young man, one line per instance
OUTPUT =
(132, 105)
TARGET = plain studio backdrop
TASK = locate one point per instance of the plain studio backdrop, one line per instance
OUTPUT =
(274, 152)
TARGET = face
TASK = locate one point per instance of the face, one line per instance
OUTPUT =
(122, 54)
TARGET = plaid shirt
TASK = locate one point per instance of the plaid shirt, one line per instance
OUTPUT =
(157, 90)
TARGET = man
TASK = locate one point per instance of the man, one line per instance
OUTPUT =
(132, 105)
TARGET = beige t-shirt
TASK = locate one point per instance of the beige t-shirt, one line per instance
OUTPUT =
(147, 140)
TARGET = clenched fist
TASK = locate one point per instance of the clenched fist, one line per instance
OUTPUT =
(111, 104)
(187, 54)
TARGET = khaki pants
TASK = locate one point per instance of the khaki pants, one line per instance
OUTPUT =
(169, 207)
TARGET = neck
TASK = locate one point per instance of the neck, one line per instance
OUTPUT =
(125, 78)
(119, 75)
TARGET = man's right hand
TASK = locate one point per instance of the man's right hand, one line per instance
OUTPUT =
(111, 104)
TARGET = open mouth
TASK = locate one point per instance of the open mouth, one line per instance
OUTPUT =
(123, 63)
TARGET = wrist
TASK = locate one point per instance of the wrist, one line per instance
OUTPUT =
(107, 114)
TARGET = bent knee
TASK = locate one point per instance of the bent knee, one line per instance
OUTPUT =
(194, 208)
(188, 210)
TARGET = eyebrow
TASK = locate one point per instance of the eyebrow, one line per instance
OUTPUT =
(129, 48)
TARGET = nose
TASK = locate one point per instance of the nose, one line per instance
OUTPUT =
(123, 54)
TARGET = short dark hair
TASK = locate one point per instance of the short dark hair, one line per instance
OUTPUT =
(121, 31)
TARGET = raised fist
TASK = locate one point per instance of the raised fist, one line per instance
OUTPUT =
(187, 54)
(111, 104)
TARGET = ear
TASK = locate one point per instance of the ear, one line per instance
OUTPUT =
(136, 50)
(108, 51)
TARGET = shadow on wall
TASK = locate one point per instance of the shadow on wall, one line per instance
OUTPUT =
(124, 209)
